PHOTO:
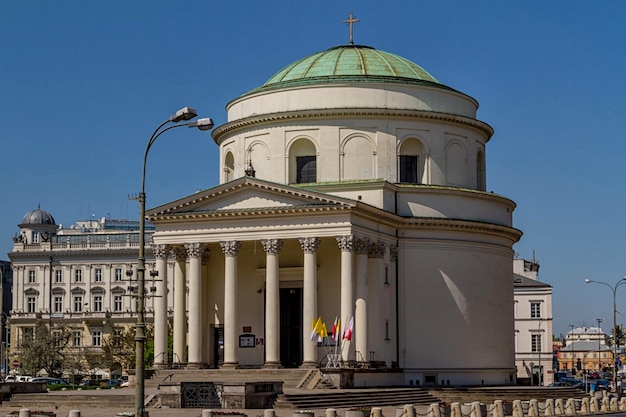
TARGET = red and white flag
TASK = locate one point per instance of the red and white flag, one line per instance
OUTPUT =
(347, 334)
(334, 331)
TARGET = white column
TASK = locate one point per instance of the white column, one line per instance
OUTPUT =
(180, 307)
(205, 307)
(377, 315)
(272, 303)
(360, 305)
(160, 307)
(309, 246)
(195, 339)
(346, 244)
(231, 345)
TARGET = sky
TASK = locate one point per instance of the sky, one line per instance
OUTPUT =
(84, 84)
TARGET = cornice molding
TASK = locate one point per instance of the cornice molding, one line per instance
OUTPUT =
(282, 117)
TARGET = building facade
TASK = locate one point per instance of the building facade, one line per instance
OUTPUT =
(533, 325)
(353, 186)
(79, 277)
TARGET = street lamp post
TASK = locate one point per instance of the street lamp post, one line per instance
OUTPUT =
(181, 115)
(599, 344)
(615, 340)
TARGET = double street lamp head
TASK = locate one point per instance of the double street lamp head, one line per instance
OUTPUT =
(186, 113)
(202, 124)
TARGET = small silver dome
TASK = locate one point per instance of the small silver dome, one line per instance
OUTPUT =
(38, 216)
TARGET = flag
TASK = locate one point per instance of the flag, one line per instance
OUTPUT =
(347, 334)
(316, 327)
(324, 331)
(334, 331)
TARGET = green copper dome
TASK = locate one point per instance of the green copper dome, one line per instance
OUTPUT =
(354, 62)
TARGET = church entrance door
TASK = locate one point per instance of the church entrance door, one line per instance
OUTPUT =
(291, 327)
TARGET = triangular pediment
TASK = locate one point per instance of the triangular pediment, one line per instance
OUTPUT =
(249, 194)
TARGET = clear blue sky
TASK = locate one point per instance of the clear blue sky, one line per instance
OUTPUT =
(83, 84)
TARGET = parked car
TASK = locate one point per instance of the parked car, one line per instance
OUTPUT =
(46, 379)
(110, 383)
(24, 378)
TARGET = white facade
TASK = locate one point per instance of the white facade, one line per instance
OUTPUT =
(533, 325)
(330, 226)
(79, 277)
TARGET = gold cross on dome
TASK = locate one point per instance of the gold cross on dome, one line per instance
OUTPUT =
(351, 21)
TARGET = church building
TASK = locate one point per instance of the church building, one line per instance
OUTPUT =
(352, 188)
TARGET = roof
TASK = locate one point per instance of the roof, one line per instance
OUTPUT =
(585, 347)
(522, 281)
(351, 63)
(38, 216)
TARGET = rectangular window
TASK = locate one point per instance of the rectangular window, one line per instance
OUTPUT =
(96, 338)
(78, 303)
(58, 304)
(306, 167)
(78, 275)
(117, 337)
(98, 275)
(78, 339)
(535, 343)
(117, 303)
(27, 334)
(31, 277)
(97, 303)
(30, 304)
(408, 168)
(35, 237)
(535, 310)
(118, 274)
(58, 276)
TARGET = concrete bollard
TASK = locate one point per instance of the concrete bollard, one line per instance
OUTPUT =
(74, 413)
(613, 404)
(476, 410)
(208, 413)
(409, 410)
(622, 404)
(331, 412)
(533, 408)
(549, 411)
(584, 406)
(267, 413)
(25, 412)
(434, 410)
(559, 409)
(594, 405)
(455, 410)
(518, 409)
(376, 412)
(604, 404)
(570, 407)
(498, 408)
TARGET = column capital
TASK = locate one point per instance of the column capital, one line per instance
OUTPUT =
(393, 251)
(272, 246)
(362, 246)
(205, 255)
(195, 250)
(346, 243)
(377, 250)
(309, 244)
(230, 247)
(178, 253)
(160, 251)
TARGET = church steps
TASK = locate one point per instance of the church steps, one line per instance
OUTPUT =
(354, 398)
(47, 400)
(291, 377)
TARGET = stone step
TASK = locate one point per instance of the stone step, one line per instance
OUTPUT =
(345, 399)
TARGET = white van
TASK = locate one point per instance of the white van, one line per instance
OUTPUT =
(24, 378)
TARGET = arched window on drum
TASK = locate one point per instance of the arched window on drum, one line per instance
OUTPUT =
(411, 161)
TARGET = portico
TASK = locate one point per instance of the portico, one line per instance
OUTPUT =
(241, 281)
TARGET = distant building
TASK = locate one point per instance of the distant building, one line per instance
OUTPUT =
(585, 350)
(533, 325)
(5, 308)
(78, 277)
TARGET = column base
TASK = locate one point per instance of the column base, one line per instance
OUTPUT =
(229, 365)
(160, 365)
(272, 365)
(308, 365)
(196, 365)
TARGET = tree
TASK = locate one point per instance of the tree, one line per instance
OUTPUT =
(119, 348)
(610, 340)
(43, 349)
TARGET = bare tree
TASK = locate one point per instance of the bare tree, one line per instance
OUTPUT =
(44, 349)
